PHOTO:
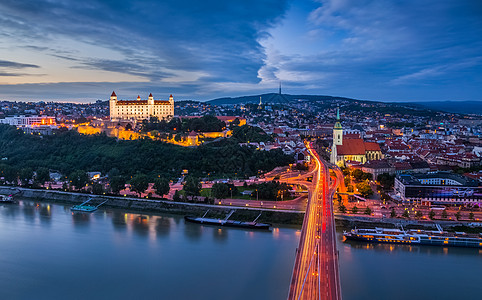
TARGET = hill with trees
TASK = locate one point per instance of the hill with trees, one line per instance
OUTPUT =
(69, 152)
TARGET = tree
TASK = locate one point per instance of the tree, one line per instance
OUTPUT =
(393, 213)
(357, 174)
(176, 196)
(78, 179)
(139, 183)
(347, 180)
(161, 185)
(117, 184)
(220, 190)
(386, 180)
(406, 214)
(457, 215)
(192, 187)
(444, 214)
(431, 214)
(9, 173)
(368, 211)
(342, 208)
(25, 175)
(418, 214)
(114, 172)
(471, 215)
(364, 189)
(97, 189)
(43, 175)
(354, 210)
(349, 188)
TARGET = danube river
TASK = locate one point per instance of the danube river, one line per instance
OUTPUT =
(46, 252)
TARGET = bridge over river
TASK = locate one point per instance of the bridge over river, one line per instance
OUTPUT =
(315, 273)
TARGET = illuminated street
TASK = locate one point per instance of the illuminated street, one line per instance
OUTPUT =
(315, 273)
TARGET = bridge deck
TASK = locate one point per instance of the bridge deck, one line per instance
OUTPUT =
(315, 273)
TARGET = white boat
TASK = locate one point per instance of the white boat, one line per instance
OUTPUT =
(6, 199)
(417, 237)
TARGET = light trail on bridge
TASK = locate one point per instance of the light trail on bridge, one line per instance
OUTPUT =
(315, 273)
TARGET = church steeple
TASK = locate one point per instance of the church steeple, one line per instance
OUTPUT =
(337, 130)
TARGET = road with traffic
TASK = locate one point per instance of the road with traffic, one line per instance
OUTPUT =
(315, 273)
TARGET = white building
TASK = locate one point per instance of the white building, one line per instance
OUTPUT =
(140, 109)
(23, 121)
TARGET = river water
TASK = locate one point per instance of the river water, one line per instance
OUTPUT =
(46, 252)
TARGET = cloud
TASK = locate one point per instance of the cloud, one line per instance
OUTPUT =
(356, 48)
(216, 37)
(15, 65)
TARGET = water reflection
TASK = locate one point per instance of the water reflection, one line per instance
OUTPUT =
(80, 219)
(45, 213)
(29, 209)
(193, 231)
(163, 226)
(119, 220)
(140, 224)
(220, 234)
(9, 210)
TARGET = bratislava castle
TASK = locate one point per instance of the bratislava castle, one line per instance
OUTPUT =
(140, 109)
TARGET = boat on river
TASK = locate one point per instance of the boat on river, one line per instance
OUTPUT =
(415, 237)
(6, 199)
(84, 207)
(228, 223)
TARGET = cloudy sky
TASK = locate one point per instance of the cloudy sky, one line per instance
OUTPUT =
(391, 50)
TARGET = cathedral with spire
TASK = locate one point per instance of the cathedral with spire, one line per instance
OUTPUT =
(351, 149)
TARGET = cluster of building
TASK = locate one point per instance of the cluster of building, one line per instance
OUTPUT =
(375, 137)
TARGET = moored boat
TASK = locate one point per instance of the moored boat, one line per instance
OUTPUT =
(6, 199)
(415, 237)
(227, 223)
(84, 208)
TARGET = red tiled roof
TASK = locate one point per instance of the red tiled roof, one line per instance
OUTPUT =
(351, 147)
(161, 102)
(356, 147)
(372, 146)
(351, 136)
(132, 102)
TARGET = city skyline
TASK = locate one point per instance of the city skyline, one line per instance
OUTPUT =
(372, 50)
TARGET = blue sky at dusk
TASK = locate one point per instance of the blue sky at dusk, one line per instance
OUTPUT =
(410, 50)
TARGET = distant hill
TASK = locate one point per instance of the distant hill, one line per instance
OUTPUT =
(273, 98)
(462, 107)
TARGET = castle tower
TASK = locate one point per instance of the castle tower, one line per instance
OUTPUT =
(112, 106)
(150, 97)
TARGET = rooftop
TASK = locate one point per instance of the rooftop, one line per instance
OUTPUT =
(415, 179)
